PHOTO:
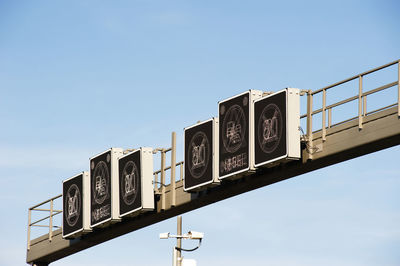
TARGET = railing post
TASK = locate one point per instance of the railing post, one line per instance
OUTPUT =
(156, 182)
(364, 105)
(309, 120)
(360, 103)
(329, 117)
(173, 166)
(51, 221)
(163, 179)
(29, 228)
(181, 172)
(323, 115)
(398, 88)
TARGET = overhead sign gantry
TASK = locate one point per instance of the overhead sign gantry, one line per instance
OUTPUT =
(258, 144)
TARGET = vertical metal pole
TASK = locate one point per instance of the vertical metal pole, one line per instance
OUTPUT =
(179, 240)
(156, 183)
(329, 117)
(181, 173)
(360, 118)
(364, 106)
(323, 115)
(163, 180)
(173, 168)
(29, 229)
(398, 88)
(51, 221)
(309, 120)
(174, 257)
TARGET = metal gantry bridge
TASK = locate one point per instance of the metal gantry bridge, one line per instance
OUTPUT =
(324, 142)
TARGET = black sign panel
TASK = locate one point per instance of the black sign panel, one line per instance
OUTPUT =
(100, 185)
(234, 135)
(199, 155)
(130, 183)
(270, 128)
(72, 205)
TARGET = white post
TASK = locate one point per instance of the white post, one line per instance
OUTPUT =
(398, 88)
(173, 167)
(179, 240)
(360, 103)
(51, 221)
(163, 203)
(174, 257)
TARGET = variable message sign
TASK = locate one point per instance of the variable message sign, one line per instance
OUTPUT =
(235, 134)
(201, 155)
(277, 121)
(76, 205)
(104, 198)
(136, 192)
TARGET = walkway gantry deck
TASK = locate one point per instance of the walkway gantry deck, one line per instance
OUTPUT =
(367, 132)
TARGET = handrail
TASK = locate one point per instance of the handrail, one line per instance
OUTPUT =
(36, 209)
(162, 171)
(45, 218)
(356, 76)
(361, 97)
(52, 213)
(389, 85)
(384, 87)
(167, 168)
(46, 201)
(381, 109)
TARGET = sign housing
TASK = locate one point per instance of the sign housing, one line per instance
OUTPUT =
(277, 121)
(76, 203)
(136, 192)
(236, 146)
(104, 196)
(201, 155)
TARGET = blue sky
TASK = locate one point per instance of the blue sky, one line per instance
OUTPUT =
(78, 77)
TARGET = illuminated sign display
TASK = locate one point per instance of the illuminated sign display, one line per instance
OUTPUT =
(136, 191)
(75, 205)
(104, 187)
(277, 121)
(201, 156)
(235, 145)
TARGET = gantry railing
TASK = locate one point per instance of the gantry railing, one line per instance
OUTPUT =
(361, 98)
(48, 220)
(160, 182)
